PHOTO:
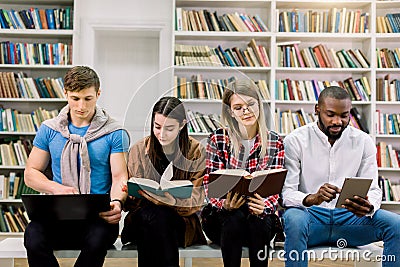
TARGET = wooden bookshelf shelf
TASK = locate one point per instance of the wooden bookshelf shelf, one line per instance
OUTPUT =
(32, 67)
(17, 133)
(10, 200)
(3, 167)
(214, 35)
(12, 33)
(34, 100)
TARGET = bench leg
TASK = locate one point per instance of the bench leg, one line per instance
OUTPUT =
(7, 262)
(187, 262)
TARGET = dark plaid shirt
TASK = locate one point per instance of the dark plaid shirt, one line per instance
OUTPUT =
(219, 156)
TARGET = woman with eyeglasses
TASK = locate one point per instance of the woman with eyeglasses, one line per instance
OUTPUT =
(159, 225)
(244, 143)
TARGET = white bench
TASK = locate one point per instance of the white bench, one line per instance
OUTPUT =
(13, 248)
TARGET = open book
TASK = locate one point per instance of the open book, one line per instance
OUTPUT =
(177, 188)
(265, 182)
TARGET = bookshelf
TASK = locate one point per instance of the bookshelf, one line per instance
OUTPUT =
(50, 56)
(363, 36)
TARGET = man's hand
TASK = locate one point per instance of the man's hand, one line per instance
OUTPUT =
(358, 205)
(114, 214)
(326, 192)
(166, 200)
(233, 202)
(60, 189)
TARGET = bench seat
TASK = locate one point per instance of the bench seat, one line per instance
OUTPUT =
(13, 248)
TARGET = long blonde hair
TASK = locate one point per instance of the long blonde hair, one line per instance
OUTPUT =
(248, 88)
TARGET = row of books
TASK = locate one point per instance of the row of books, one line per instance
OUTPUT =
(12, 120)
(35, 53)
(198, 88)
(287, 121)
(201, 55)
(387, 156)
(333, 20)
(390, 23)
(35, 18)
(13, 186)
(203, 20)
(357, 120)
(19, 85)
(13, 219)
(15, 153)
(390, 192)
(387, 123)
(202, 123)
(319, 56)
(387, 90)
(309, 90)
(386, 58)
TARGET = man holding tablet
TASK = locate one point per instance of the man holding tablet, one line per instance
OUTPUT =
(319, 156)
(86, 148)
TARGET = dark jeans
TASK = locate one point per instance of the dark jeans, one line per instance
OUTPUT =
(158, 232)
(93, 238)
(234, 229)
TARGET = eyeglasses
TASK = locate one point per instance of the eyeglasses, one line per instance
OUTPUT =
(238, 109)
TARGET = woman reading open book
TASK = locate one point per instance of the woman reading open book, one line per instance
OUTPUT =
(245, 143)
(159, 224)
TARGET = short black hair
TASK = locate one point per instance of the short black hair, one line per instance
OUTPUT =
(335, 92)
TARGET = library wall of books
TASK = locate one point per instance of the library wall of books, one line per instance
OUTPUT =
(35, 51)
(292, 50)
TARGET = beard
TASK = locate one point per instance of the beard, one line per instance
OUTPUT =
(326, 131)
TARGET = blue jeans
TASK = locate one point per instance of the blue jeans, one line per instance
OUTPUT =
(308, 227)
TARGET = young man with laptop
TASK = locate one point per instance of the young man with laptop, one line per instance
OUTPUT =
(86, 149)
(319, 157)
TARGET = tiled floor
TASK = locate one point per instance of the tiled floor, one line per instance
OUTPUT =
(196, 263)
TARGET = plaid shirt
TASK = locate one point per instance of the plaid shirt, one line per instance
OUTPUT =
(219, 157)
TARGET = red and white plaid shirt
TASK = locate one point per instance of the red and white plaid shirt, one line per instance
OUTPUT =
(219, 156)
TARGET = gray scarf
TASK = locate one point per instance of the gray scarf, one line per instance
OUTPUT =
(100, 125)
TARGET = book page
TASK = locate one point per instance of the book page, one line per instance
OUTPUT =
(236, 172)
(176, 183)
(167, 176)
(165, 181)
(168, 173)
(265, 172)
(145, 182)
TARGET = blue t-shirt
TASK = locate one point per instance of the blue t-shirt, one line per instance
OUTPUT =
(99, 149)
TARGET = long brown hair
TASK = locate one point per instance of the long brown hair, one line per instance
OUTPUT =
(170, 107)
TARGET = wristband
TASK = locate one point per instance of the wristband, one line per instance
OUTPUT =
(120, 201)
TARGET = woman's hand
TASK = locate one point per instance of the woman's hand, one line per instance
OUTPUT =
(256, 204)
(233, 202)
(166, 200)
